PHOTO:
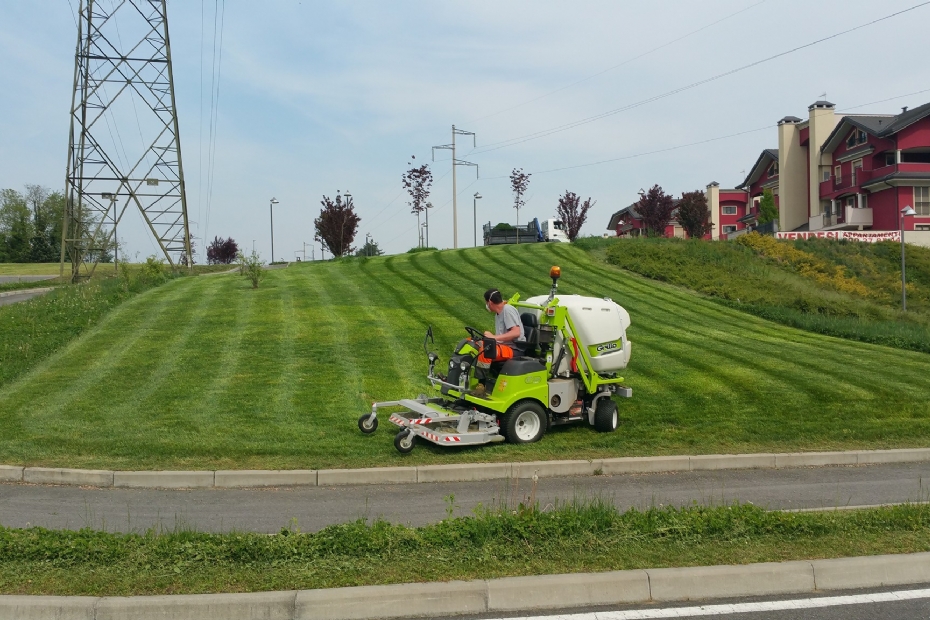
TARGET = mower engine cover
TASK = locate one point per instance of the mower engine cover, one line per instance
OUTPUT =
(600, 325)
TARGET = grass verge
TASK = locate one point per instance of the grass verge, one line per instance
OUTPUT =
(576, 537)
(207, 373)
(33, 330)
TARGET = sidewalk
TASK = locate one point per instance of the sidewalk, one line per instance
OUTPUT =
(548, 592)
(229, 479)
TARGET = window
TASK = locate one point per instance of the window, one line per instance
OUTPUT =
(922, 227)
(889, 159)
(856, 137)
(729, 210)
(728, 229)
(773, 169)
(838, 173)
(825, 174)
(922, 200)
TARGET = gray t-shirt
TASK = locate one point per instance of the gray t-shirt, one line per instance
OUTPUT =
(507, 319)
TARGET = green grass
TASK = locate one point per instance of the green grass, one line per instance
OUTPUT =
(29, 269)
(576, 537)
(738, 277)
(205, 373)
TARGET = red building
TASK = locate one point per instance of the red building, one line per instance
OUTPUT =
(831, 172)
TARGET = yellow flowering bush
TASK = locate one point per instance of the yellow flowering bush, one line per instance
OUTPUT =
(806, 264)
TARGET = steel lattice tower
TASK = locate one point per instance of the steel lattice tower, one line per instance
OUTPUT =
(123, 147)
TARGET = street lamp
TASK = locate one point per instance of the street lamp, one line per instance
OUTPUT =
(474, 214)
(906, 211)
(273, 202)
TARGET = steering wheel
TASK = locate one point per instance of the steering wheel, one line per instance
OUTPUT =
(474, 333)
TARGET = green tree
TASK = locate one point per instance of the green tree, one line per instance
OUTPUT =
(767, 209)
(369, 249)
(693, 214)
(16, 227)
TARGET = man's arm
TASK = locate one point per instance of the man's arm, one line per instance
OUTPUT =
(508, 336)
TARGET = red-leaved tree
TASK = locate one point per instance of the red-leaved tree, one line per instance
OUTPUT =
(221, 251)
(337, 225)
(417, 182)
(573, 213)
(693, 214)
(655, 208)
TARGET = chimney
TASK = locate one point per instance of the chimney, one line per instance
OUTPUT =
(904, 109)
(822, 122)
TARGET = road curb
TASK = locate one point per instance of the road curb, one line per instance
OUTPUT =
(459, 472)
(24, 291)
(545, 592)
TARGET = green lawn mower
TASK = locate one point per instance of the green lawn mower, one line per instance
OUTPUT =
(575, 347)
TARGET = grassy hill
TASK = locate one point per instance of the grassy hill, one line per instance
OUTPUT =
(208, 373)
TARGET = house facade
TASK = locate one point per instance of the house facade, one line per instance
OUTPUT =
(830, 172)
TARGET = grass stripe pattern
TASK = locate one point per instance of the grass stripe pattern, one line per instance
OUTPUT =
(207, 373)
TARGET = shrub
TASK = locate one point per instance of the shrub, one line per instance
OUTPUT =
(252, 267)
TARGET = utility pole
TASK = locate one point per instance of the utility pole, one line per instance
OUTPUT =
(474, 215)
(456, 162)
(115, 74)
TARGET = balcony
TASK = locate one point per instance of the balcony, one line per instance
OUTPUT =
(833, 187)
(849, 218)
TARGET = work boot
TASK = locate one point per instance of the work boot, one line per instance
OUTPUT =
(479, 391)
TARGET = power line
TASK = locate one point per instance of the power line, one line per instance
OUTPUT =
(862, 105)
(219, 9)
(548, 132)
(617, 66)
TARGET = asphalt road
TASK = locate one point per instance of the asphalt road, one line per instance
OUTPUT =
(911, 603)
(17, 297)
(311, 508)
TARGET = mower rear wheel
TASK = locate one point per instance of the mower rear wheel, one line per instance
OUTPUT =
(524, 422)
(405, 441)
(368, 423)
(605, 415)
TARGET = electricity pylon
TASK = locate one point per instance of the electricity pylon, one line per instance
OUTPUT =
(123, 147)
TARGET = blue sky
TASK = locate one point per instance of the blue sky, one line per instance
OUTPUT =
(317, 97)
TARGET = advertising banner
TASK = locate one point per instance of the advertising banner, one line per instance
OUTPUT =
(850, 235)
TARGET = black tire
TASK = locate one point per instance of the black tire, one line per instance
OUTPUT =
(368, 423)
(405, 441)
(606, 417)
(524, 422)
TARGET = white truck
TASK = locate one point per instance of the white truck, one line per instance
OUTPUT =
(553, 230)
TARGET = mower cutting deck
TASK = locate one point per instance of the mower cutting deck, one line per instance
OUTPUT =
(574, 347)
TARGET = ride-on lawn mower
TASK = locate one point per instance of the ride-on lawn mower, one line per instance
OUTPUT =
(574, 348)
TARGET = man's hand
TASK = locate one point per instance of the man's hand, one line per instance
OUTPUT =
(488, 335)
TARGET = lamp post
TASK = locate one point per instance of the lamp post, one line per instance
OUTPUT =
(271, 205)
(367, 244)
(474, 214)
(906, 211)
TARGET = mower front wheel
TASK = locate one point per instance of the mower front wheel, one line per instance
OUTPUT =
(368, 423)
(524, 422)
(405, 441)
(605, 416)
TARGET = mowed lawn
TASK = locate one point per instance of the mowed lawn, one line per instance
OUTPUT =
(206, 373)
(30, 269)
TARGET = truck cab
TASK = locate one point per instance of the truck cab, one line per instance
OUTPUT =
(554, 230)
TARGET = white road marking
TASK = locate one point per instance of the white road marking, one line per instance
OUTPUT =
(740, 608)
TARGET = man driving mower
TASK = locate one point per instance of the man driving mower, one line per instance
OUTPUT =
(508, 340)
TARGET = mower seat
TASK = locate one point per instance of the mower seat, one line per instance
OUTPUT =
(531, 332)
